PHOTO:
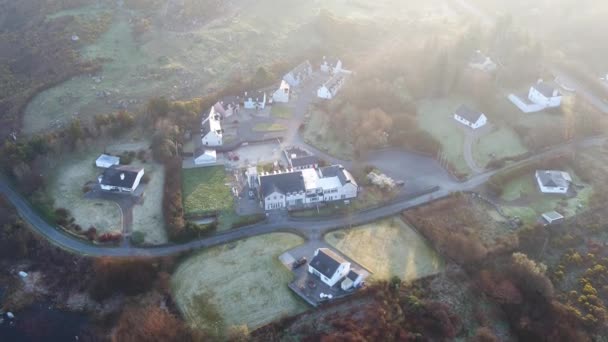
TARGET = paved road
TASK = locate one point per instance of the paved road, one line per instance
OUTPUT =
(309, 229)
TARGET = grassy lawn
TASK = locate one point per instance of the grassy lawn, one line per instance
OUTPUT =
(500, 143)
(205, 191)
(318, 134)
(148, 217)
(66, 180)
(388, 248)
(281, 112)
(242, 283)
(435, 116)
(525, 189)
(269, 127)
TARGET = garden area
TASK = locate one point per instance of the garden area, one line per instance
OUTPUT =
(501, 142)
(241, 283)
(281, 112)
(317, 133)
(388, 248)
(148, 216)
(269, 127)
(206, 191)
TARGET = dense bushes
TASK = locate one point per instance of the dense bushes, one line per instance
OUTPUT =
(130, 277)
(173, 210)
(151, 323)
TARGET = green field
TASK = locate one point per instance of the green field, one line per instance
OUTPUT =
(436, 117)
(500, 143)
(318, 134)
(242, 283)
(269, 127)
(148, 217)
(281, 112)
(388, 248)
(206, 191)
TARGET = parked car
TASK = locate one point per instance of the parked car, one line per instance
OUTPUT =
(300, 262)
(251, 194)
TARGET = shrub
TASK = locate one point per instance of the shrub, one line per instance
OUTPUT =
(138, 238)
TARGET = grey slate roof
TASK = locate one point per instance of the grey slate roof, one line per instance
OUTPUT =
(302, 68)
(337, 171)
(111, 176)
(467, 113)
(284, 183)
(230, 100)
(553, 179)
(326, 262)
(299, 157)
(352, 275)
(545, 89)
(205, 127)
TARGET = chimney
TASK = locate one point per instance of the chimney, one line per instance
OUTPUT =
(122, 176)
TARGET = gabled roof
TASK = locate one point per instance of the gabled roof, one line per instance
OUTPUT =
(230, 100)
(334, 80)
(289, 182)
(553, 179)
(257, 96)
(211, 123)
(552, 216)
(107, 159)
(338, 171)
(120, 176)
(302, 68)
(299, 157)
(545, 89)
(331, 61)
(326, 262)
(353, 274)
(467, 113)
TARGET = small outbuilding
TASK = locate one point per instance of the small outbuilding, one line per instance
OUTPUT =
(209, 157)
(552, 218)
(105, 161)
(470, 117)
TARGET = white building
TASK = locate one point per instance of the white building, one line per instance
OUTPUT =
(353, 279)
(331, 65)
(540, 96)
(211, 129)
(120, 178)
(228, 106)
(470, 117)
(254, 100)
(553, 182)
(482, 62)
(331, 87)
(307, 187)
(209, 157)
(328, 266)
(299, 74)
(282, 94)
(105, 161)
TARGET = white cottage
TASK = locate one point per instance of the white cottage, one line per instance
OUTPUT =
(470, 117)
(282, 94)
(331, 65)
(209, 157)
(120, 178)
(254, 100)
(228, 106)
(105, 161)
(331, 87)
(299, 74)
(211, 129)
(329, 266)
(539, 97)
(553, 182)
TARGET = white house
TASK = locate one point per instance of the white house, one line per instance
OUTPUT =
(353, 279)
(105, 161)
(331, 65)
(307, 187)
(228, 106)
(299, 159)
(331, 87)
(209, 157)
(482, 62)
(540, 96)
(120, 178)
(470, 117)
(299, 74)
(211, 129)
(328, 266)
(282, 94)
(553, 182)
(254, 100)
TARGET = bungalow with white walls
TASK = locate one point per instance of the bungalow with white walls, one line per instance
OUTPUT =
(299, 74)
(120, 178)
(105, 161)
(294, 189)
(553, 182)
(329, 266)
(254, 100)
(330, 65)
(228, 106)
(299, 159)
(211, 129)
(281, 95)
(470, 117)
(330, 89)
(208, 157)
(482, 62)
(540, 96)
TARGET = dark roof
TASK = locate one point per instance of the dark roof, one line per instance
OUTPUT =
(352, 275)
(230, 100)
(553, 179)
(257, 95)
(545, 89)
(282, 182)
(301, 68)
(299, 157)
(467, 113)
(326, 262)
(337, 171)
(205, 127)
(112, 176)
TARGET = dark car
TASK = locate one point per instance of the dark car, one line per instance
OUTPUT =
(300, 262)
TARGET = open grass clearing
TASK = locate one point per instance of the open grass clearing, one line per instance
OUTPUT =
(318, 134)
(206, 191)
(269, 127)
(501, 142)
(388, 248)
(281, 111)
(236, 284)
(436, 117)
(148, 217)
(66, 180)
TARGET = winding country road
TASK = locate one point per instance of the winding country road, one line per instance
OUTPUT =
(308, 229)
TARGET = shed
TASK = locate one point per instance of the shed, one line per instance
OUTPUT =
(207, 158)
(105, 161)
(552, 218)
